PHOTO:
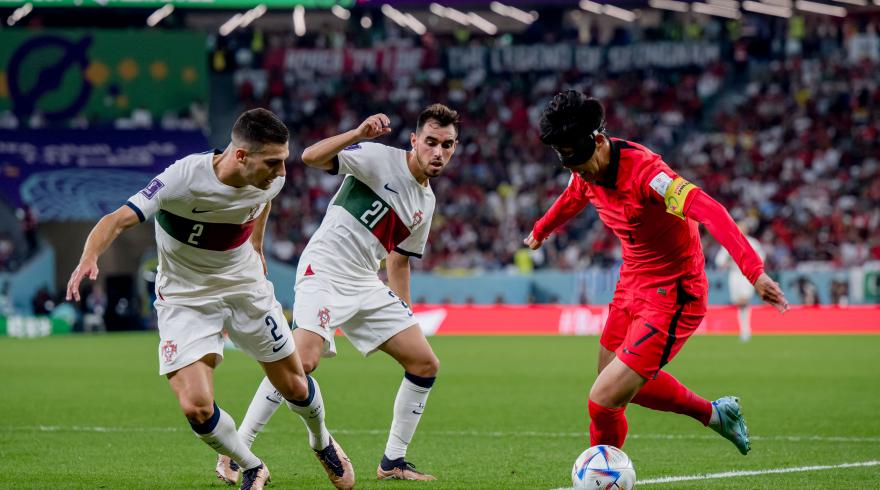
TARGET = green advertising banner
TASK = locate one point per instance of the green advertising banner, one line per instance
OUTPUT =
(32, 326)
(100, 74)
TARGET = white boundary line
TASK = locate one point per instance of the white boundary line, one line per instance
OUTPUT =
(461, 433)
(734, 474)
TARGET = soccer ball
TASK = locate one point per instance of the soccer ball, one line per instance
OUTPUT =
(605, 468)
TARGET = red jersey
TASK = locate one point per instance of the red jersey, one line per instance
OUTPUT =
(655, 213)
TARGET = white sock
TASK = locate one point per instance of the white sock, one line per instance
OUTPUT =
(715, 419)
(312, 413)
(408, 408)
(266, 401)
(745, 323)
(224, 439)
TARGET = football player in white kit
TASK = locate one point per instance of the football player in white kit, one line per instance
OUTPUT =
(382, 210)
(741, 290)
(211, 211)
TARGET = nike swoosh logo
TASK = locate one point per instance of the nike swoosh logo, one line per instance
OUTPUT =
(627, 351)
(276, 349)
(418, 413)
(273, 401)
(199, 211)
(388, 188)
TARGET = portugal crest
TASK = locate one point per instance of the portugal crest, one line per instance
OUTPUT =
(169, 350)
(417, 219)
(324, 318)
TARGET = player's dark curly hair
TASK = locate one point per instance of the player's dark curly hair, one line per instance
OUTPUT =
(442, 114)
(260, 127)
(570, 116)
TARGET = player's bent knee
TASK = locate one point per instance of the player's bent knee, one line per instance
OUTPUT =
(310, 364)
(296, 388)
(197, 412)
(427, 368)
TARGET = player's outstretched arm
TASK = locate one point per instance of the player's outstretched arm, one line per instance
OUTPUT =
(571, 202)
(771, 293)
(100, 238)
(320, 155)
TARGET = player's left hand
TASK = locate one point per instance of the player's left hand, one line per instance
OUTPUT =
(532, 242)
(771, 293)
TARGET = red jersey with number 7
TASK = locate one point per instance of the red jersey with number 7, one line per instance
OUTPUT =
(656, 214)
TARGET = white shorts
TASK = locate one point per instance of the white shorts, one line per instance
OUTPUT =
(741, 290)
(367, 314)
(192, 327)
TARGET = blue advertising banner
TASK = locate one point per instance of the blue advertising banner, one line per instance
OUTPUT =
(84, 174)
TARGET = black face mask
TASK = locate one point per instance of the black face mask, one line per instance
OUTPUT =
(578, 151)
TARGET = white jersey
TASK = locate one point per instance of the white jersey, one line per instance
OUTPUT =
(203, 226)
(739, 285)
(379, 207)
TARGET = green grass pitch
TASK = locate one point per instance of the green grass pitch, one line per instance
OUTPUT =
(506, 412)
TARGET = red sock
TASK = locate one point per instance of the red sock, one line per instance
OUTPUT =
(667, 394)
(607, 425)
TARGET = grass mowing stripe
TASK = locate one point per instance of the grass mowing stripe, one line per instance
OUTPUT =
(461, 433)
(734, 474)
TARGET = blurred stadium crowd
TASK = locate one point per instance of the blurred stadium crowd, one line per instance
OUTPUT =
(783, 130)
(789, 143)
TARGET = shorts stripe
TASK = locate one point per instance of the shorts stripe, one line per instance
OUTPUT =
(670, 339)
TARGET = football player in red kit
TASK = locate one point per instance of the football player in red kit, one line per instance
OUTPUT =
(660, 299)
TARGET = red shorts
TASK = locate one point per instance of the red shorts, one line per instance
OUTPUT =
(646, 329)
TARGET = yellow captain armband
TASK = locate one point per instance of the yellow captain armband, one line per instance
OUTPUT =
(676, 195)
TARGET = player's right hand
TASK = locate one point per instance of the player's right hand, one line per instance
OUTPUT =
(374, 126)
(532, 242)
(84, 269)
(771, 293)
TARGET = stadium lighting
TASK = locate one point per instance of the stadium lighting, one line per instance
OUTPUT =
(20, 13)
(299, 21)
(730, 4)
(450, 13)
(778, 3)
(610, 10)
(231, 24)
(252, 15)
(514, 13)
(404, 20)
(366, 22)
(160, 14)
(715, 10)
(673, 5)
(589, 6)
(763, 8)
(619, 13)
(482, 24)
(820, 8)
(340, 11)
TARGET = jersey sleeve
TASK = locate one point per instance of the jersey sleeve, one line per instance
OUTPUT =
(571, 202)
(660, 184)
(150, 199)
(414, 245)
(360, 160)
(717, 220)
